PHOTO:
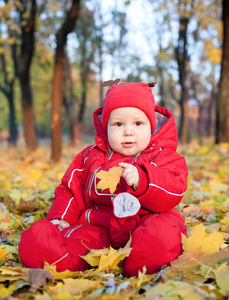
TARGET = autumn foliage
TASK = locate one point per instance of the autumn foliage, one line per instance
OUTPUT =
(27, 186)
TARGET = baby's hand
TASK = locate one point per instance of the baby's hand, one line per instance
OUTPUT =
(63, 224)
(130, 174)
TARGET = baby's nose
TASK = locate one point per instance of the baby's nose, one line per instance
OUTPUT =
(128, 130)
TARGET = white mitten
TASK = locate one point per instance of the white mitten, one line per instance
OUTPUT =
(125, 205)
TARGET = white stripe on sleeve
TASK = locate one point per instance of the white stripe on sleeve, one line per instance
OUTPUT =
(174, 194)
(62, 217)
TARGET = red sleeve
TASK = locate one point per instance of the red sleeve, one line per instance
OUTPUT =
(69, 195)
(163, 181)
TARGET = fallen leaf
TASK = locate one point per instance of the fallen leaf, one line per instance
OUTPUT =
(61, 275)
(3, 254)
(199, 238)
(39, 277)
(196, 258)
(74, 286)
(93, 256)
(141, 276)
(5, 292)
(109, 179)
(112, 259)
(174, 290)
(222, 279)
(191, 211)
(225, 222)
(13, 274)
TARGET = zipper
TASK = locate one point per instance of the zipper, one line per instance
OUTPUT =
(91, 182)
(159, 151)
(135, 157)
(110, 155)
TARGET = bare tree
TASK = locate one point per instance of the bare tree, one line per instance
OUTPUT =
(7, 88)
(222, 130)
(57, 88)
(23, 72)
(182, 61)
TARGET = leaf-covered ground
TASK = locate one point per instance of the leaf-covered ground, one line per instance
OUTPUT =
(27, 186)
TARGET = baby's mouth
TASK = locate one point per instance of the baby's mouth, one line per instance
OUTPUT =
(128, 144)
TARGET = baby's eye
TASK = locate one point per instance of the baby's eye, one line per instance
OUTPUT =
(118, 124)
(138, 123)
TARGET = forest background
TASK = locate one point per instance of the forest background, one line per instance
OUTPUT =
(54, 55)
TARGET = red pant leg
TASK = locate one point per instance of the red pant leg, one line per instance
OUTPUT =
(41, 242)
(79, 238)
(156, 242)
(44, 242)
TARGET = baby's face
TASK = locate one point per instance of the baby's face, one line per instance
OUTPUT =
(128, 130)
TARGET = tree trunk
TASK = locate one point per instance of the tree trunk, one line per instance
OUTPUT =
(57, 99)
(7, 90)
(184, 123)
(69, 99)
(28, 112)
(81, 114)
(182, 60)
(222, 130)
(12, 119)
(211, 106)
(24, 63)
(57, 93)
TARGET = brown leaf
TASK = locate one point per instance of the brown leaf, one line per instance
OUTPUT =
(192, 260)
(191, 211)
(39, 277)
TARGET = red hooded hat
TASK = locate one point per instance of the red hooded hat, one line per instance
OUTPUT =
(137, 95)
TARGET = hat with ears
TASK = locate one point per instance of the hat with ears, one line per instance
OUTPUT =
(137, 95)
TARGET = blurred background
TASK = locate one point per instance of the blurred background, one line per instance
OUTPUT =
(55, 54)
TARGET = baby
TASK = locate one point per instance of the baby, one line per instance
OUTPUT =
(141, 138)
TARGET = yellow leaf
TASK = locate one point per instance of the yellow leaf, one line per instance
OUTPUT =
(141, 276)
(35, 174)
(175, 290)
(14, 274)
(199, 238)
(61, 275)
(3, 254)
(222, 278)
(74, 286)
(225, 222)
(114, 257)
(93, 257)
(4, 292)
(109, 179)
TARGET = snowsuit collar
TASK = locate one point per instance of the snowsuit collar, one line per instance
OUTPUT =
(164, 136)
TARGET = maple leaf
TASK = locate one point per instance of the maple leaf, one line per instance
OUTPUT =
(60, 275)
(3, 254)
(109, 179)
(195, 258)
(199, 238)
(14, 274)
(73, 287)
(107, 258)
(4, 292)
(93, 256)
(114, 257)
(225, 222)
(222, 278)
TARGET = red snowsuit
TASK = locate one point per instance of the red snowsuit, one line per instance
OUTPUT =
(156, 229)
